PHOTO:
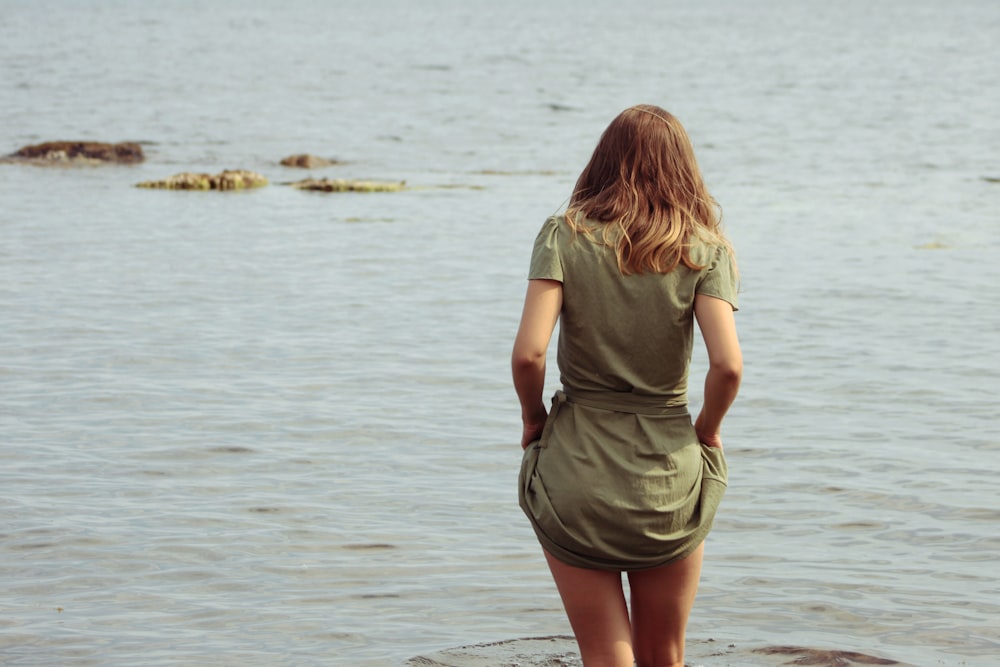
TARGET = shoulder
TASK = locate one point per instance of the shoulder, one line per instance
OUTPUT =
(710, 254)
(559, 224)
(553, 223)
(549, 233)
(573, 225)
(546, 257)
(718, 276)
(557, 231)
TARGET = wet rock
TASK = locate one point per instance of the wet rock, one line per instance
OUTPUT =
(306, 161)
(78, 152)
(231, 179)
(825, 658)
(554, 651)
(347, 185)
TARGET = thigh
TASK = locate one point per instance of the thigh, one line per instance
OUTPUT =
(662, 599)
(595, 604)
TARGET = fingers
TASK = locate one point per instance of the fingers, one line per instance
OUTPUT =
(531, 433)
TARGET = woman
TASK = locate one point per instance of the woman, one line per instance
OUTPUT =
(617, 478)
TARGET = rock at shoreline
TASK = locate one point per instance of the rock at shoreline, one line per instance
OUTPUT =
(346, 185)
(78, 152)
(231, 179)
(305, 161)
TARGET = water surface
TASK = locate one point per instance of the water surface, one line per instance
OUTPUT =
(277, 427)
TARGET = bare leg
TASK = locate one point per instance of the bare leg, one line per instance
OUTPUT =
(595, 605)
(662, 599)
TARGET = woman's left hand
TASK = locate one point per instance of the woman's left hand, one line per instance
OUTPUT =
(532, 431)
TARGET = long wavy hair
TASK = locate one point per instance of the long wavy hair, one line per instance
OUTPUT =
(643, 181)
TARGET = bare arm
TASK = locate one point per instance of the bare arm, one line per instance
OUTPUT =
(725, 365)
(542, 304)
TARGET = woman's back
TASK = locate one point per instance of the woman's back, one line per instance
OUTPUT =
(625, 333)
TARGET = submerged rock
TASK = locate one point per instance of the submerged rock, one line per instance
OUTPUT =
(306, 161)
(825, 658)
(347, 185)
(78, 152)
(231, 179)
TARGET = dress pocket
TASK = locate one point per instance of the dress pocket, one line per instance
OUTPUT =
(543, 440)
(715, 465)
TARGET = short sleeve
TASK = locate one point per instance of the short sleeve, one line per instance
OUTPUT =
(718, 279)
(545, 261)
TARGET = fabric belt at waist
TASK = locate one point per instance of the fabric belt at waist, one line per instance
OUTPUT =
(621, 401)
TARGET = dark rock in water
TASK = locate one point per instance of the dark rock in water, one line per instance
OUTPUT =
(825, 658)
(231, 179)
(305, 161)
(347, 185)
(83, 152)
(555, 651)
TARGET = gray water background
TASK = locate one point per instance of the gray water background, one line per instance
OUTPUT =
(277, 427)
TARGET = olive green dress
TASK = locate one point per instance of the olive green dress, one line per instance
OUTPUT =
(618, 479)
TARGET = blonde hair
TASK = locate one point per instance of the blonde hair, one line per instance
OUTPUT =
(643, 181)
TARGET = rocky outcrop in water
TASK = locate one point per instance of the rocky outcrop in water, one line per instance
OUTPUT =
(78, 152)
(305, 161)
(231, 179)
(347, 185)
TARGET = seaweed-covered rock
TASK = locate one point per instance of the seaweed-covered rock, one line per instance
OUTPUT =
(306, 161)
(78, 152)
(231, 179)
(347, 185)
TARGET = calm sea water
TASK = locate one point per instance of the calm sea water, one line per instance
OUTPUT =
(277, 428)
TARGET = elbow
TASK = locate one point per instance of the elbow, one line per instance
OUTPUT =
(523, 360)
(730, 371)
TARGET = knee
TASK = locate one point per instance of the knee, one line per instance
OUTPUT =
(655, 663)
(617, 654)
(659, 658)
